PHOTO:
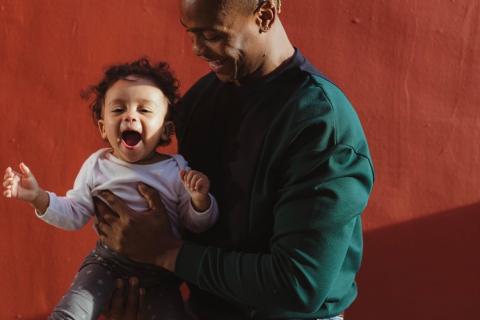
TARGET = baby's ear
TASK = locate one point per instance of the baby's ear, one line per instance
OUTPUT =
(101, 129)
(168, 129)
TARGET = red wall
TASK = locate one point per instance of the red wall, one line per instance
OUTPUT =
(411, 68)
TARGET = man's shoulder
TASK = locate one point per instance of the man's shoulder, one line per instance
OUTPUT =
(316, 95)
(318, 102)
(315, 82)
(311, 97)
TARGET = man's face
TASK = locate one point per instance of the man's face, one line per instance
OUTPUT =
(229, 41)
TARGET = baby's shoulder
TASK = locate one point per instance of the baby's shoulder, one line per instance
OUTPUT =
(95, 157)
(178, 160)
(102, 153)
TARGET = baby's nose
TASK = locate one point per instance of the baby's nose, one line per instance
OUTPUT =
(130, 118)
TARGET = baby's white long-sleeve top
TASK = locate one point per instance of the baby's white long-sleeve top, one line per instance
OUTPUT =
(103, 171)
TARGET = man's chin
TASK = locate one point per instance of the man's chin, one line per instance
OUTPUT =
(224, 77)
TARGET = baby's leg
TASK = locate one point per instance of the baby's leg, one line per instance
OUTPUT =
(163, 303)
(91, 290)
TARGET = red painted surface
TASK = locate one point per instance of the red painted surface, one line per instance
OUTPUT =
(411, 68)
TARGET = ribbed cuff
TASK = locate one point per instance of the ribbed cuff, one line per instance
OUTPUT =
(204, 212)
(189, 261)
(45, 214)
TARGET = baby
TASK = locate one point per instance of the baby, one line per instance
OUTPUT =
(131, 107)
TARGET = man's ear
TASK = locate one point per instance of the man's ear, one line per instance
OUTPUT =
(101, 129)
(266, 14)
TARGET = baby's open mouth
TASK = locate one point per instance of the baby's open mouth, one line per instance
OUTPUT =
(131, 138)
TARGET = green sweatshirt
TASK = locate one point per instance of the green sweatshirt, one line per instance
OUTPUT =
(292, 174)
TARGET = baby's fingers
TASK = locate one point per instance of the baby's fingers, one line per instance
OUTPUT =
(182, 173)
(203, 185)
(193, 182)
(187, 178)
(9, 182)
(7, 193)
(199, 183)
(8, 173)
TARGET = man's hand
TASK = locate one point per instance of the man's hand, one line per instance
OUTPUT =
(142, 236)
(126, 305)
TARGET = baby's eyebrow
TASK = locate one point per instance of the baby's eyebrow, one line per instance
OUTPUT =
(145, 101)
(113, 102)
(142, 101)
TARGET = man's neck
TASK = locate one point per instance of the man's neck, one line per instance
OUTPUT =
(279, 51)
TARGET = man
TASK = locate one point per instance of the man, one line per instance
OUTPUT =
(289, 166)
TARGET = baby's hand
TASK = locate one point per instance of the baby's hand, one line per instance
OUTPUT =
(197, 185)
(195, 182)
(21, 185)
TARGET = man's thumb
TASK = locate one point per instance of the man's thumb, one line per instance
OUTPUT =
(151, 196)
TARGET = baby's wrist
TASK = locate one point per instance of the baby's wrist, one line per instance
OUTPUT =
(201, 202)
(41, 201)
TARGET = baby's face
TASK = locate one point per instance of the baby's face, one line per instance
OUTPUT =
(133, 118)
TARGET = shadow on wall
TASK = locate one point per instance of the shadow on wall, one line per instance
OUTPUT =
(423, 269)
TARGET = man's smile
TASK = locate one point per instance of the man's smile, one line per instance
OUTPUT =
(215, 65)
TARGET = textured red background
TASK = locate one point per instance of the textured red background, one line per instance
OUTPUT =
(411, 68)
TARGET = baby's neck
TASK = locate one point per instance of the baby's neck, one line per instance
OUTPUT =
(153, 157)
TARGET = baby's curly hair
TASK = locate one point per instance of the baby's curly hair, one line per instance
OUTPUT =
(160, 74)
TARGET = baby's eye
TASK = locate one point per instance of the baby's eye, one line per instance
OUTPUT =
(144, 110)
(117, 109)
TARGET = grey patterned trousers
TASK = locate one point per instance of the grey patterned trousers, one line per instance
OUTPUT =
(94, 284)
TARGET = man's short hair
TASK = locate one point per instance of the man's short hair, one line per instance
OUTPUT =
(247, 6)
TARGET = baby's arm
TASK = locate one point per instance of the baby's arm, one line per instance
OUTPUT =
(202, 212)
(69, 213)
(197, 185)
(23, 185)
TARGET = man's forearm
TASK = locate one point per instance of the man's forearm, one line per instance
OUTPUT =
(168, 259)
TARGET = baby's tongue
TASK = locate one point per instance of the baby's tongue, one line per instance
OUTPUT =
(131, 138)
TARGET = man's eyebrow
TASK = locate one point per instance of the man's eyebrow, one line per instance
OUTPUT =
(197, 29)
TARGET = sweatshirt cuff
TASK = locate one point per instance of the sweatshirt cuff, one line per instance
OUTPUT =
(51, 197)
(189, 261)
(204, 212)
